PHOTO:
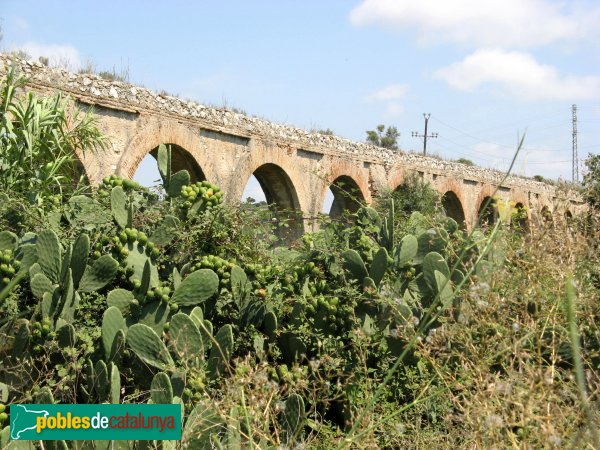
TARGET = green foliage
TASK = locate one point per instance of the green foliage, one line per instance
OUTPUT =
(591, 181)
(465, 161)
(384, 138)
(38, 139)
(390, 316)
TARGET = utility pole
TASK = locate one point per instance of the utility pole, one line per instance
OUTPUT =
(425, 135)
(575, 157)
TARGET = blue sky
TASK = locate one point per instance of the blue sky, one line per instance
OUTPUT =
(487, 71)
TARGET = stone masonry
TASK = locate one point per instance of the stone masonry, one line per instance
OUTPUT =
(294, 167)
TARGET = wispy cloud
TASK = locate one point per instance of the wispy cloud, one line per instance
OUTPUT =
(390, 94)
(63, 55)
(476, 23)
(518, 74)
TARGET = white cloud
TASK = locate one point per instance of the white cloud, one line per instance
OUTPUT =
(477, 23)
(392, 92)
(518, 74)
(66, 56)
(393, 109)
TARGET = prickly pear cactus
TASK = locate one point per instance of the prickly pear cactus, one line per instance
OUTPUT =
(221, 351)
(196, 288)
(146, 344)
(294, 417)
(161, 390)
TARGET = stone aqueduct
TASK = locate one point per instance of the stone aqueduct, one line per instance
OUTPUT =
(294, 167)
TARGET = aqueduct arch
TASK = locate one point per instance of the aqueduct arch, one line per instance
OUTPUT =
(347, 196)
(487, 213)
(453, 208)
(228, 147)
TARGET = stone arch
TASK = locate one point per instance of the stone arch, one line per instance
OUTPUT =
(487, 212)
(181, 159)
(546, 216)
(282, 198)
(348, 184)
(520, 219)
(453, 207)
(187, 151)
(347, 196)
(568, 216)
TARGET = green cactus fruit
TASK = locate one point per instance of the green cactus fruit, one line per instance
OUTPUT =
(121, 299)
(8, 241)
(434, 261)
(79, 258)
(354, 264)
(49, 254)
(99, 274)
(146, 344)
(101, 383)
(115, 384)
(220, 352)
(65, 336)
(240, 287)
(41, 284)
(270, 324)
(161, 390)
(379, 266)
(112, 322)
(178, 180)
(196, 288)
(294, 417)
(118, 206)
(406, 251)
(185, 338)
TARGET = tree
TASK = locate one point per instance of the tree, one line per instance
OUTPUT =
(465, 161)
(591, 181)
(387, 140)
